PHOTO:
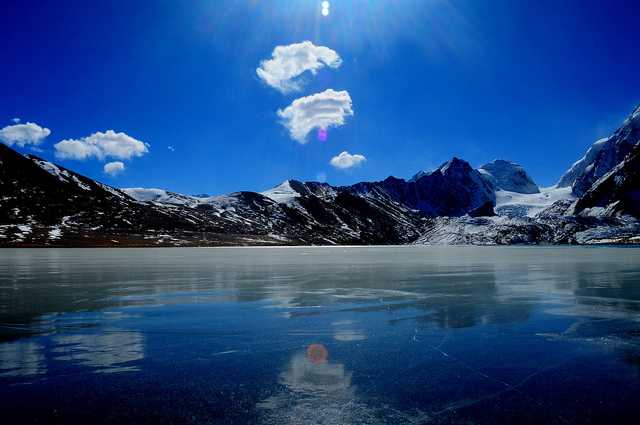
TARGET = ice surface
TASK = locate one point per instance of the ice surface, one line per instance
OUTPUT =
(343, 335)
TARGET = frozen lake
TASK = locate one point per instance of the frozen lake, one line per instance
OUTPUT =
(370, 335)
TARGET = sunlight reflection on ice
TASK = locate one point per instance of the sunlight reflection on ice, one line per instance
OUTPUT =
(106, 353)
(323, 393)
(314, 393)
(22, 358)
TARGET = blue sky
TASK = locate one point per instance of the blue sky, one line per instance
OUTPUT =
(534, 82)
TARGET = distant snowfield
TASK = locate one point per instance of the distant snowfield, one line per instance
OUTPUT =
(164, 197)
(148, 195)
(530, 204)
(227, 206)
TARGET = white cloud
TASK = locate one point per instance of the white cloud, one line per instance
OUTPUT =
(15, 120)
(320, 110)
(171, 148)
(24, 134)
(287, 63)
(345, 160)
(114, 168)
(101, 145)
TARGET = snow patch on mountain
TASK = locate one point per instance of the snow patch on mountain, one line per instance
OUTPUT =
(627, 230)
(514, 204)
(481, 231)
(282, 194)
(603, 156)
(112, 190)
(615, 193)
(509, 176)
(584, 164)
(62, 175)
(160, 196)
(417, 176)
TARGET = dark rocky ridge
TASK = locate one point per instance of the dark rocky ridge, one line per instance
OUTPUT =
(31, 193)
(453, 189)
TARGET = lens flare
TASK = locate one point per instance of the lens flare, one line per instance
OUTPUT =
(317, 353)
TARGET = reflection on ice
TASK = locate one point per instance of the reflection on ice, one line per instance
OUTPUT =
(307, 377)
(343, 331)
(22, 358)
(346, 335)
(315, 392)
(107, 352)
(322, 393)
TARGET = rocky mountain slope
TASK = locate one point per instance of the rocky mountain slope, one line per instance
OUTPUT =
(596, 201)
(41, 202)
(453, 189)
(617, 192)
(603, 156)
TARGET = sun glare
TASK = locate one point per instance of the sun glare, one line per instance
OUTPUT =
(325, 8)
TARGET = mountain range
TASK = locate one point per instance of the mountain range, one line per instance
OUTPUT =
(596, 201)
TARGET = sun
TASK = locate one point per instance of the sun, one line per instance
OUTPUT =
(325, 8)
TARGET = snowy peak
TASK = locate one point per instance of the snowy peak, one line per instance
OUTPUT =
(419, 175)
(509, 176)
(603, 156)
(450, 168)
(290, 190)
(284, 193)
(454, 164)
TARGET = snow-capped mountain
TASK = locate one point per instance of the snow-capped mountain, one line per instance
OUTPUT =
(603, 156)
(290, 190)
(44, 204)
(509, 176)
